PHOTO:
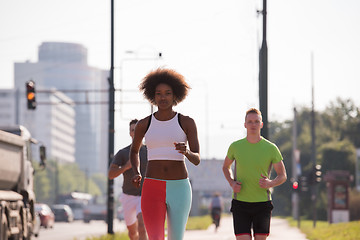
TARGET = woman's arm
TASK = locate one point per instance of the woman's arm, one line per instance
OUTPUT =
(193, 153)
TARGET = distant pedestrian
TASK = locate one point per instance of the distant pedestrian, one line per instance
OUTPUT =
(169, 137)
(216, 207)
(254, 157)
(130, 197)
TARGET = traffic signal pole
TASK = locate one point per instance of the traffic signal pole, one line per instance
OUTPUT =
(263, 77)
(314, 188)
(295, 177)
(110, 192)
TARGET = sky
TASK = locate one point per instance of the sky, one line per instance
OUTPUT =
(214, 44)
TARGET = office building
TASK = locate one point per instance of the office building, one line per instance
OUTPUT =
(63, 66)
(52, 125)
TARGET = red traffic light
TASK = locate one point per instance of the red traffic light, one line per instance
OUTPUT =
(295, 185)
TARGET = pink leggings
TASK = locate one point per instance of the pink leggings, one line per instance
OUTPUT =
(165, 197)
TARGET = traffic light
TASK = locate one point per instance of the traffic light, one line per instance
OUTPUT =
(304, 184)
(295, 186)
(30, 95)
(316, 175)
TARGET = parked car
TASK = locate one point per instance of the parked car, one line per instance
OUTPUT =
(63, 213)
(37, 223)
(47, 217)
(96, 209)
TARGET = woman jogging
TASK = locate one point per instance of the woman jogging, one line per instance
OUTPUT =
(169, 137)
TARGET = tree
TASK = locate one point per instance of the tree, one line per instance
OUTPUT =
(337, 137)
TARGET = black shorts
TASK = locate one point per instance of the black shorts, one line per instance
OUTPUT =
(256, 215)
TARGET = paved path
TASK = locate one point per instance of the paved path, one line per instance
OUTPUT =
(280, 230)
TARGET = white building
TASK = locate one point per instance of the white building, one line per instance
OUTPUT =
(64, 66)
(8, 103)
(206, 179)
(53, 125)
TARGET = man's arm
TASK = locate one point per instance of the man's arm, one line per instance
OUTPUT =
(281, 177)
(116, 170)
(235, 185)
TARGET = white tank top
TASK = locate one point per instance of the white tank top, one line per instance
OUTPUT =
(160, 138)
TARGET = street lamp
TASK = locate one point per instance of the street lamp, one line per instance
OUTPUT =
(156, 57)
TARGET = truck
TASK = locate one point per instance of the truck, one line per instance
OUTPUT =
(17, 197)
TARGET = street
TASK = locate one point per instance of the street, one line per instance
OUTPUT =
(77, 230)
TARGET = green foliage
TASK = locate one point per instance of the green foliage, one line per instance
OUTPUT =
(101, 181)
(338, 155)
(337, 131)
(116, 236)
(326, 231)
(198, 223)
(57, 179)
(193, 223)
(41, 183)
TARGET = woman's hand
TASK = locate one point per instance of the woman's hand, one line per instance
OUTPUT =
(180, 147)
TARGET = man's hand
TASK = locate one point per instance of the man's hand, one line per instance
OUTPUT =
(264, 182)
(136, 180)
(236, 186)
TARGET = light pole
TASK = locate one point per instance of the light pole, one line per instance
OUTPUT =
(263, 76)
(110, 185)
(158, 56)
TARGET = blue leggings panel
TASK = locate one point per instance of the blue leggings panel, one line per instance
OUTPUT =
(178, 202)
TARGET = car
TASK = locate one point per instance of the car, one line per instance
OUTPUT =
(95, 211)
(47, 217)
(63, 213)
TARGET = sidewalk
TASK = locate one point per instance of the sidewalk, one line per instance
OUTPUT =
(280, 230)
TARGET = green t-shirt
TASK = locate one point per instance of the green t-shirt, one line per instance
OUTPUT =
(252, 160)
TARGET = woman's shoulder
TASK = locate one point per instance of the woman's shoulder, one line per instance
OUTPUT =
(185, 118)
(143, 123)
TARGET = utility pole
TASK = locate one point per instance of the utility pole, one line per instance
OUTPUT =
(295, 172)
(110, 197)
(263, 76)
(313, 143)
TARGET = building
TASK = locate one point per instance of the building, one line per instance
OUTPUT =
(53, 125)
(64, 66)
(206, 179)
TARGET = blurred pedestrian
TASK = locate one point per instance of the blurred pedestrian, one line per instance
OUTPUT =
(216, 207)
(254, 158)
(169, 137)
(131, 196)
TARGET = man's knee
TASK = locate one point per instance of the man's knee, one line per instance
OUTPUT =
(141, 227)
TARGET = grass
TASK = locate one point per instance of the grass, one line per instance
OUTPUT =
(194, 223)
(199, 223)
(324, 230)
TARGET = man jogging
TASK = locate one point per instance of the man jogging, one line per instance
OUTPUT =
(254, 158)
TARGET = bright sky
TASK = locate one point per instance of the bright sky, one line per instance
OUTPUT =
(214, 44)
